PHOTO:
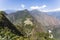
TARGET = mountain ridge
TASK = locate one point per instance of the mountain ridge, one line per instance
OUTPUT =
(25, 23)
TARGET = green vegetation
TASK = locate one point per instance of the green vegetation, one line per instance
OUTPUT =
(6, 34)
(43, 36)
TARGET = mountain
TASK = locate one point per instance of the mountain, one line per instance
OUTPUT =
(4, 22)
(28, 25)
(44, 18)
(40, 18)
(23, 17)
(18, 15)
(51, 22)
(56, 30)
(9, 11)
(54, 14)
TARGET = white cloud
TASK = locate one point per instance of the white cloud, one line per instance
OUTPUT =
(37, 7)
(22, 5)
(41, 8)
(57, 9)
(52, 10)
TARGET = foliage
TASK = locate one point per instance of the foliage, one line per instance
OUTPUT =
(43, 36)
(6, 34)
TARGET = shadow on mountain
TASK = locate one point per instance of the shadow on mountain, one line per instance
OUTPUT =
(4, 22)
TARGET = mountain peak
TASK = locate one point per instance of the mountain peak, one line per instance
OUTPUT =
(3, 12)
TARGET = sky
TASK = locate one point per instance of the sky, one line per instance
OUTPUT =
(42, 5)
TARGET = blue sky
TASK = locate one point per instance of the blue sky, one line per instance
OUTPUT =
(30, 4)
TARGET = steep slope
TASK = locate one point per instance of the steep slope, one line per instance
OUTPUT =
(18, 15)
(4, 22)
(56, 30)
(45, 19)
(50, 22)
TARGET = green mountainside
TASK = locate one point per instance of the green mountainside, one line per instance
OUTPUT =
(23, 27)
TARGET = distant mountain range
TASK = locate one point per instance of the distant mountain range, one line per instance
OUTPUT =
(9, 11)
(44, 18)
(54, 14)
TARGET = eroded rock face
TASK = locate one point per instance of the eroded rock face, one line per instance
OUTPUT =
(28, 22)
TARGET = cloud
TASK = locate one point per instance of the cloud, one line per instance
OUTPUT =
(57, 9)
(37, 7)
(22, 5)
(52, 10)
(42, 8)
